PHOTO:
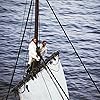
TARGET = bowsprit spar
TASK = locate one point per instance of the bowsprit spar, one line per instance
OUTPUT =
(47, 80)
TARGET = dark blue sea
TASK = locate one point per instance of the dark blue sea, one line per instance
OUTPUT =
(81, 21)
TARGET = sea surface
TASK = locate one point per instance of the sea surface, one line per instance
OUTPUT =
(81, 21)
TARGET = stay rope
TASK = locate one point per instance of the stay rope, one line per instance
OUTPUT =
(73, 46)
(49, 70)
(23, 18)
(55, 84)
(46, 86)
(19, 51)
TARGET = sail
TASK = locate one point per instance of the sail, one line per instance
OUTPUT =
(45, 87)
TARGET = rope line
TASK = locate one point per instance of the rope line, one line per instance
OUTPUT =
(19, 51)
(54, 78)
(32, 12)
(57, 82)
(30, 31)
(46, 86)
(73, 47)
(23, 18)
(55, 85)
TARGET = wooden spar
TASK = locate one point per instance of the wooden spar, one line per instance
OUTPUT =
(36, 19)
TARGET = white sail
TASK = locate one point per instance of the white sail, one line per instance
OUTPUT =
(43, 87)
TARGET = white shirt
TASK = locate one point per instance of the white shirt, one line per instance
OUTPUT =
(43, 50)
(32, 50)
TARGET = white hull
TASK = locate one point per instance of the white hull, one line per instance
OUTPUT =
(43, 88)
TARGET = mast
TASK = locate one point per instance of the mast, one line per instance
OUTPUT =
(36, 19)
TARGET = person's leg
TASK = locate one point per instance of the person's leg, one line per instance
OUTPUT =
(30, 60)
(29, 65)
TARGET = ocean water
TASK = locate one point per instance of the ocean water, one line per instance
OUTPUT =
(81, 21)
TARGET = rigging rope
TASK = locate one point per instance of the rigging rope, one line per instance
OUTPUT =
(21, 31)
(30, 31)
(32, 12)
(23, 18)
(46, 86)
(55, 80)
(19, 51)
(73, 47)
(55, 85)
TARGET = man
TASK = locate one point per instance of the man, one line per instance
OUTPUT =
(33, 59)
(43, 49)
(32, 51)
